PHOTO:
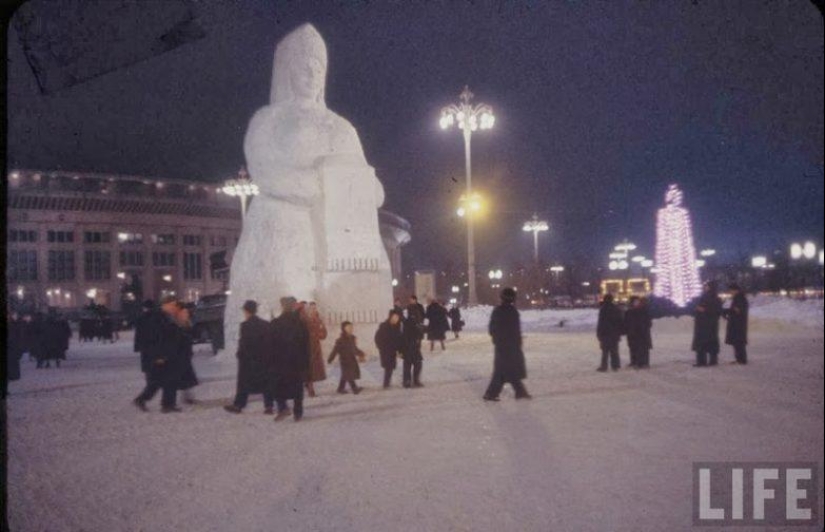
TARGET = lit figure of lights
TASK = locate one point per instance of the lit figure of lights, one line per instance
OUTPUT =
(677, 274)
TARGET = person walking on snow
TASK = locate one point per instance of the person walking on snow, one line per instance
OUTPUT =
(508, 362)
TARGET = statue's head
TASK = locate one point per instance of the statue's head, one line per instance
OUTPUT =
(300, 67)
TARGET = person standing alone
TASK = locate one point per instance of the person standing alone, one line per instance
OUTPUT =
(508, 363)
(609, 332)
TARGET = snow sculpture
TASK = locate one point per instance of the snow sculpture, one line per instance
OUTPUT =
(677, 273)
(313, 231)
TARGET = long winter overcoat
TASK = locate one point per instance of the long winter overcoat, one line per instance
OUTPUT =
(437, 322)
(291, 354)
(255, 356)
(390, 341)
(737, 314)
(347, 350)
(188, 378)
(317, 331)
(706, 317)
(412, 335)
(163, 351)
(505, 329)
(637, 326)
(456, 323)
(610, 327)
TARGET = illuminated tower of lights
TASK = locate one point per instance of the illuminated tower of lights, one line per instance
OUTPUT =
(677, 274)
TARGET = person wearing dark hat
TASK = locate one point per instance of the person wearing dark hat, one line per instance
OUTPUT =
(609, 330)
(508, 364)
(143, 326)
(254, 361)
(162, 344)
(736, 334)
(706, 317)
(390, 342)
(637, 325)
(291, 361)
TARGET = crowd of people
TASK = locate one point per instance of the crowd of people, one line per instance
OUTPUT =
(636, 325)
(44, 337)
(283, 359)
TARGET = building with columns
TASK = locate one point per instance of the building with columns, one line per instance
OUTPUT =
(73, 237)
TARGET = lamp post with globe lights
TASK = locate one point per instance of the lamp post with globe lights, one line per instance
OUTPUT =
(469, 118)
(241, 186)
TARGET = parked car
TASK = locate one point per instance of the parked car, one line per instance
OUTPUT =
(207, 321)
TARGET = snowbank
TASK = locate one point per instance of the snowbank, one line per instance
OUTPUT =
(806, 313)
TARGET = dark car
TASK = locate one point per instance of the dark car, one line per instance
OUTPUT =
(207, 321)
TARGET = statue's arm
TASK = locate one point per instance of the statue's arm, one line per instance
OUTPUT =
(347, 146)
(272, 170)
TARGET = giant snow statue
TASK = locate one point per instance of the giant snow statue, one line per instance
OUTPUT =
(312, 232)
(677, 273)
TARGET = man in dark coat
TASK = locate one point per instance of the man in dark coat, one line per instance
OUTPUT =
(290, 340)
(390, 341)
(609, 332)
(255, 352)
(508, 364)
(416, 310)
(456, 323)
(737, 329)
(143, 331)
(437, 324)
(412, 334)
(637, 325)
(706, 317)
(162, 343)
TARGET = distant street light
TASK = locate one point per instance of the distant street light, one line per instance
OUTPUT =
(241, 186)
(760, 261)
(536, 226)
(707, 253)
(469, 118)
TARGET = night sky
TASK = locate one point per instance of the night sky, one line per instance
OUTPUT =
(599, 106)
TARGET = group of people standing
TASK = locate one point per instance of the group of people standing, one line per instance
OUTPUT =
(636, 324)
(45, 337)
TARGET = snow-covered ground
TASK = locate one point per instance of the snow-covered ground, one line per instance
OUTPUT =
(591, 451)
(764, 307)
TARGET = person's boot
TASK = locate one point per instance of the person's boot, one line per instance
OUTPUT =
(268, 411)
(140, 404)
(417, 384)
(283, 414)
(601, 369)
(488, 397)
(233, 409)
(357, 390)
(170, 410)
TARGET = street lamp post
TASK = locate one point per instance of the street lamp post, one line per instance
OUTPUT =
(241, 186)
(536, 226)
(469, 118)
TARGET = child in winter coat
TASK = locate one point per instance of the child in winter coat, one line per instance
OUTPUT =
(347, 349)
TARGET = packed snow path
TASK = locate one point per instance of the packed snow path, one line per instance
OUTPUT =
(590, 452)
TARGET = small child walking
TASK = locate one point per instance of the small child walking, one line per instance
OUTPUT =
(347, 349)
